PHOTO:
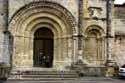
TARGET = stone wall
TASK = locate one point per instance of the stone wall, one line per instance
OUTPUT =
(119, 19)
(71, 5)
(119, 53)
(1, 29)
(94, 19)
(94, 22)
(66, 40)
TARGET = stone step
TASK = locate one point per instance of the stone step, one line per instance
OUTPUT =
(42, 75)
(41, 79)
(49, 76)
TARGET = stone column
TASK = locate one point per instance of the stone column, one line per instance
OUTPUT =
(75, 47)
(60, 52)
(31, 50)
(70, 48)
(7, 49)
(80, 26)
(7, 35)
(55, 53)
(110, 35)
(109, 38)
(65, 49)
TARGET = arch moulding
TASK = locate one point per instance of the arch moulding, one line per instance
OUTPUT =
(36, 15)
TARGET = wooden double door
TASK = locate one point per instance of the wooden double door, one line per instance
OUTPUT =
(43, 48)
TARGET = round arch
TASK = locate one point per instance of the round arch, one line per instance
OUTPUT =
(96, 28)
(37, 15)
(94, 45)
(46, 7)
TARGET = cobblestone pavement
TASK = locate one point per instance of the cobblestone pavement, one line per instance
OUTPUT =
(82, 80)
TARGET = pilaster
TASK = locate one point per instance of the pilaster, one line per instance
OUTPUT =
(109, 34)
(109, 38)
(80, 26)
(7, 37)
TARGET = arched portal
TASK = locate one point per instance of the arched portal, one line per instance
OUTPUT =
(38, 20)
(43, 48)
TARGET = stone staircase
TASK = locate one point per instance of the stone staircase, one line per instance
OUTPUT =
(43, 75)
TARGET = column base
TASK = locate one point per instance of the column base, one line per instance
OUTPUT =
(110, 70)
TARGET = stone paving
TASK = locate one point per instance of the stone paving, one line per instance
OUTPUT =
(81, 80)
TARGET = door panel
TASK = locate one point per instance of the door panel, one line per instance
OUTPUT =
(43, 47)
(49, 49)
(38, 47)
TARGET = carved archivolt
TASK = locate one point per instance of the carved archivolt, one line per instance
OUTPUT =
(43, 9)
(27, 20)
(95, 28)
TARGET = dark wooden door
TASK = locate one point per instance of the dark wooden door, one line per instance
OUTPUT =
(43, 47)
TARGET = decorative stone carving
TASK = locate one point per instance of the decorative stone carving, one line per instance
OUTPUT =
(95, 12)
(44, 4)
(34, 16)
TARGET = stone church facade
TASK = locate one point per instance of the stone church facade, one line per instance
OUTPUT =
(68, 31)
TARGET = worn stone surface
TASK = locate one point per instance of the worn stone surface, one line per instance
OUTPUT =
(65, 18)
(81, 80)
(119, 53)
(119, 19)
(1, 29)
(93, 24)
